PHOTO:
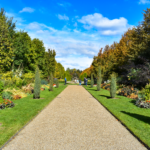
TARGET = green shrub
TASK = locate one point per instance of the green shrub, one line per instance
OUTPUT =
(24, 82)
(1, 87)
(147, 92)
(44, 82)
(57, 83)
(92, 81)
(37, 84)
(19, 83)
(8, 83)
(7, 95)
(113, 86)
(51, 82)
(99, 79)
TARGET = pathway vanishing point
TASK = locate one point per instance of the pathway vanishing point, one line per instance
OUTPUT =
(74, 120)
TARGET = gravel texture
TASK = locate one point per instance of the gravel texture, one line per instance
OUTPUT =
(74, 120)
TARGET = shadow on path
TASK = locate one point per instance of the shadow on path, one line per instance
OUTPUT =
(143, 118)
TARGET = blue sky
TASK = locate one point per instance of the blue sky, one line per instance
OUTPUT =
(76, 29)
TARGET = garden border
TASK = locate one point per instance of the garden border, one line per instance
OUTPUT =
(28, 123)
(121, 122)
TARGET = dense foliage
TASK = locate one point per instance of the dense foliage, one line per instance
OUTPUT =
(21, 54)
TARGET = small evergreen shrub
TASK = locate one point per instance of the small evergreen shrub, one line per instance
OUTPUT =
(99, 79)
(113, 86)
(37, 84)
(92, 81)
(57, 83)
(51, 82)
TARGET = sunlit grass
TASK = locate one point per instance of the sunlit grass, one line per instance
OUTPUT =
(135, 118)
(13, 119)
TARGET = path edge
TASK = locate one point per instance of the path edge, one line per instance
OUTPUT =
(120, 121)
(28, 122)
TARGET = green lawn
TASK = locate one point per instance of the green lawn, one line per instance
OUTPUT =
(13, 119)
(136, 119)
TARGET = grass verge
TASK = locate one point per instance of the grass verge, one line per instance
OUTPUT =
(136, 119)
(13, 119)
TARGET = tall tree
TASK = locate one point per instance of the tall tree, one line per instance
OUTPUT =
(37, 48)
(59, 70)
(50, 62)
(22, 44)
(6, 50)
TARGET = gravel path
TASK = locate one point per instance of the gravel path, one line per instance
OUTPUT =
(74, 120)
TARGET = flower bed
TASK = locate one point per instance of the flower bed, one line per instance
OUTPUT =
(105, 86)
(128, 91)
(6, 104)
(142, 104)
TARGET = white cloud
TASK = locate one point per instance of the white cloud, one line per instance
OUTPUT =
(38, 26)
(74, 49)
(63, 17)
(144, 2)
(73, 62)
(27, 9)
(33, 26)
(103, 24)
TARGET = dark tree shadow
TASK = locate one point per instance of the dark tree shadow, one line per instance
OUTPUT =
(109, 97)
(143, 118)
(132, 101)
(105, 96)
(92, 89)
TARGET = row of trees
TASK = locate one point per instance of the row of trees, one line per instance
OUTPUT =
(19, 52)
(99, 80)
(129, 58)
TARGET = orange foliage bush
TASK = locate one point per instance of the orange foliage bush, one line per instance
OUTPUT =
(15, 97)
(133, 96)
(42, 89)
